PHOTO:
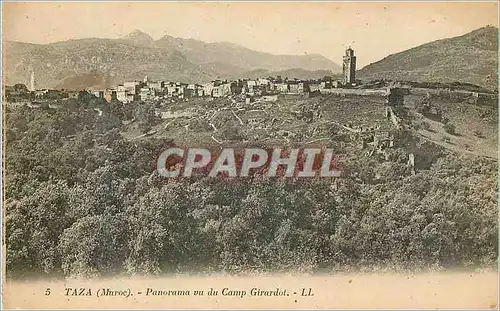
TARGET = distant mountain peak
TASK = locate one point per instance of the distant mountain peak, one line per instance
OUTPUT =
(139, 37)
(137, 32)
(166, 36)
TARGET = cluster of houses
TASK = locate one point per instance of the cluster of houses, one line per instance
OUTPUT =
(148, 90)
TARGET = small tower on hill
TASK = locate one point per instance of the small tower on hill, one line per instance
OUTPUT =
(349, 67)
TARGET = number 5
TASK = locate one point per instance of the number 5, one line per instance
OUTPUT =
(47, 292)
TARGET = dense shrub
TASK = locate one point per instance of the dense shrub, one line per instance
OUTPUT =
(84, 202)
(449, 128)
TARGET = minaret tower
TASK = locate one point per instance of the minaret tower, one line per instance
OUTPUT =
(349, 67)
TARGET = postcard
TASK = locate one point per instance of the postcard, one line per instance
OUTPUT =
(250, 155)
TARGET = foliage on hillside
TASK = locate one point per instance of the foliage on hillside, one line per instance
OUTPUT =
(83, 200)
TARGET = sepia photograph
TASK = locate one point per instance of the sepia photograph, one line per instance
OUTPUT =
(250, 155)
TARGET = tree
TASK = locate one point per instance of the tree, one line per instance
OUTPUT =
(145, 115)
(34, 225)
(98, 254)
(21, 88)
(449, 128)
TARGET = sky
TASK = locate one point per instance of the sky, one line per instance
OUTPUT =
(373, 29)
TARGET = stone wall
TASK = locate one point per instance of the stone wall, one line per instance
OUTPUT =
(365, 92)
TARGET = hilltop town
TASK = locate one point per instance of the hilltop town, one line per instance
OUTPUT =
(264, 88)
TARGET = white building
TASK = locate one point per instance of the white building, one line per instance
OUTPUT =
(208, 88)
(121, 94)
(147, 94)
(262, 81)
(222, 90)
(132, 87)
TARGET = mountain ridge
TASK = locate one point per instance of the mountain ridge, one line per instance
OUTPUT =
(112, 61)
(470, 58)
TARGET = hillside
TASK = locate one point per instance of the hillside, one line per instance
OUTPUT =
(82, 182)
(471, 58)
(111, 61)
(475, 127)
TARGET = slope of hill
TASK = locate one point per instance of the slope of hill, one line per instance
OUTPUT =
(475, 127)
(110, 61)
(114, 59)
(471, 58)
